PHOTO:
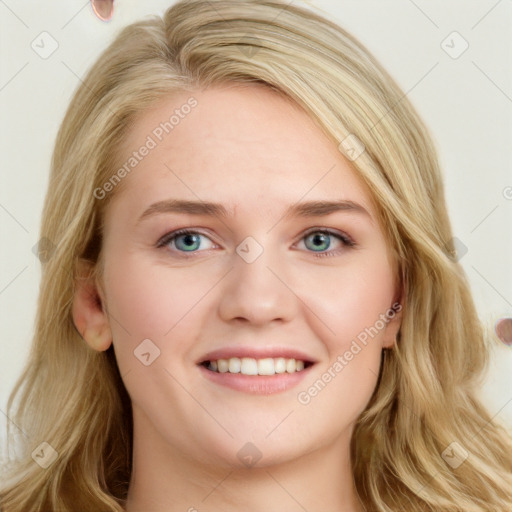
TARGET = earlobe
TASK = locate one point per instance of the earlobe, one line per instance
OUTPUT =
(99, 341)
(89, 315)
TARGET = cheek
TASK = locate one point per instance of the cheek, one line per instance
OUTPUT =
(150, 301)
(346, 303)
(146, 303)
(340, 391)
(347, 306)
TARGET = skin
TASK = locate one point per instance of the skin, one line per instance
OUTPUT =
(256, 153)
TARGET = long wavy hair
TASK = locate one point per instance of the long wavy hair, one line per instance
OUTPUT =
(73, 397)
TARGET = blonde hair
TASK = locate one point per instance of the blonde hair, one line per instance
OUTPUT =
(73, 397)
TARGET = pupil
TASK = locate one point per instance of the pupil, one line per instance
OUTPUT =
(321, 239)
(188, 240)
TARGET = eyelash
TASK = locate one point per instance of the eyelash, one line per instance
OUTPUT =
(345, 239)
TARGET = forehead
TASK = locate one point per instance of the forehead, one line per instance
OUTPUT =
(234, 141)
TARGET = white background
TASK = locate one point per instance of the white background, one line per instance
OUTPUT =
(466, 102)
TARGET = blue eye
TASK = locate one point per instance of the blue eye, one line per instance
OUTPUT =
(184, 240)
(318, 241)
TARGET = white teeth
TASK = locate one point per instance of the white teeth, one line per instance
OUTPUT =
(266, 366)
(234, 365)
(223, 365)
(280, 365)
(251, 366)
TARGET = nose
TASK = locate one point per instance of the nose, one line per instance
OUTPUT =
(257, 291)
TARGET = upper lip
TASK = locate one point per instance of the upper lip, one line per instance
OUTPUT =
(256, 353)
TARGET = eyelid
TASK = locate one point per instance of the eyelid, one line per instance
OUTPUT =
(166, 239)
(346, 240)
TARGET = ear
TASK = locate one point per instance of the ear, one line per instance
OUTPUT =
(89, 313)
(394, 316)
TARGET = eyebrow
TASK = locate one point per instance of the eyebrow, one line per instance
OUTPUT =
(307, 209)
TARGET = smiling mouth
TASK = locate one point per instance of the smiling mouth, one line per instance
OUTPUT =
(250, 366)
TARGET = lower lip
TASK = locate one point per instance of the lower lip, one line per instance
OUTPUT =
(256, 384)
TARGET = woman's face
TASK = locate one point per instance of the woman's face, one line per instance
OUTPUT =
(289, 263)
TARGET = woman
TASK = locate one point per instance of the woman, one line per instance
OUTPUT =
(196, 349)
